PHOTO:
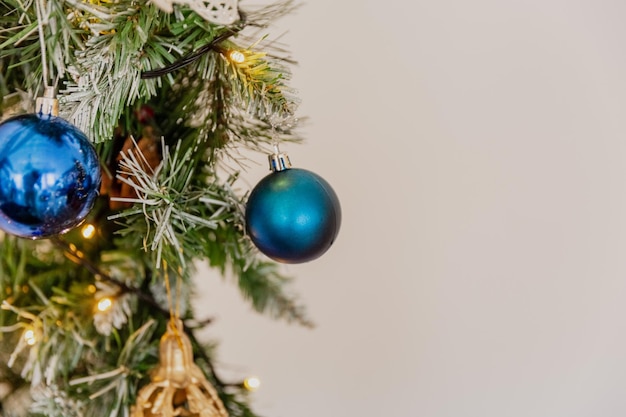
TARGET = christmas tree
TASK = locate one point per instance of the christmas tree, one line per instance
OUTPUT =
(124, 126)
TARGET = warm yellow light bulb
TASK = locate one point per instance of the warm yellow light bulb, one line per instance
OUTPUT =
(237, 56)
(29, 337)
(252, 383)
(88, 231)
(105, 304)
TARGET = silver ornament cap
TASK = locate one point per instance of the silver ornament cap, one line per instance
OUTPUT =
(48, 104)
(279, 161)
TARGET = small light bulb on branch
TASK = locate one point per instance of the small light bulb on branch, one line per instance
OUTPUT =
(105, 304)
(30, 337)
(236, 56)
(88, 231)
(252, 383)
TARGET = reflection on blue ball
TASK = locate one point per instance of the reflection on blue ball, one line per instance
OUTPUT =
(293, 216)
(49, 176)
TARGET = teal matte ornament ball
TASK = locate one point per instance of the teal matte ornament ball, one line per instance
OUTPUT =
(293, 216)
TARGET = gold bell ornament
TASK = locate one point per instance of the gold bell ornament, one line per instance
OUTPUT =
(178, 387)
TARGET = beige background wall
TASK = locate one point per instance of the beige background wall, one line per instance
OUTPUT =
(479, 151)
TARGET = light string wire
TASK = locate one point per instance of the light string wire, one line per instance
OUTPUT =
(188, 59)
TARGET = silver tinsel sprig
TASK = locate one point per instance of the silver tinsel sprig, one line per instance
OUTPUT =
(221, 12)
(163, 196)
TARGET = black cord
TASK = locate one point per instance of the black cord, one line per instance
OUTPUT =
(213, 45)
(73, 255)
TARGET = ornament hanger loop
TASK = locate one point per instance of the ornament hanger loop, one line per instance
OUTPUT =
(279, 161)
(39, 5)
(48, 104)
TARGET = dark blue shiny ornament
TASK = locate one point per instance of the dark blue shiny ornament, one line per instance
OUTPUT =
(293, 216)
(49, 176)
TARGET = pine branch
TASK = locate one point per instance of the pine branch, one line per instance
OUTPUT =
(262, 284)
(205, 106)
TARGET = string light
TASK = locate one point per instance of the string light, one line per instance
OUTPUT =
(29, 337)
(237, 56)
(88, 231)
(105, 304)
(252, 383)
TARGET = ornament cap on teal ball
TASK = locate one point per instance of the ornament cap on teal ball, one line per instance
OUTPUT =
(49, 176)
(293, 215)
